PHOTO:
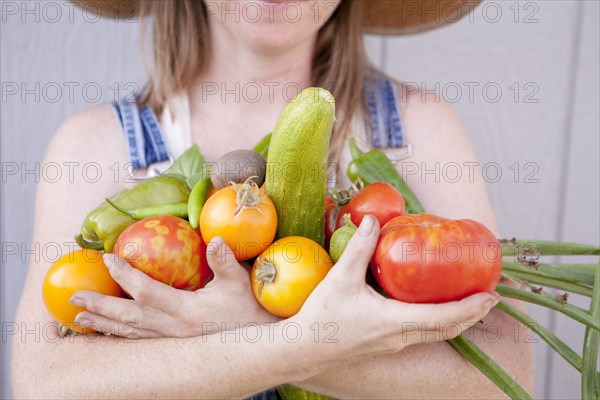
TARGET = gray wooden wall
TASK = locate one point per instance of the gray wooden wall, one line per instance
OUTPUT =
(523, 75)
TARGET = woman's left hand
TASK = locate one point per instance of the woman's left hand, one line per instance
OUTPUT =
(159, 310)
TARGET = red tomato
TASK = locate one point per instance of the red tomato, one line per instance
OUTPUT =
(379, 199)
(422, 258)
(167, 249)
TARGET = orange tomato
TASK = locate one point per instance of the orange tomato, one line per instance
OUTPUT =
(244, 216)
(212, 191)
(79, 270)
(287, 272)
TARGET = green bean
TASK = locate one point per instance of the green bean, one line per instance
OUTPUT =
(197, 199)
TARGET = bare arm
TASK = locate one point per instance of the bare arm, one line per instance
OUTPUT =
(222, 365)
(101, 366)
(435, 370)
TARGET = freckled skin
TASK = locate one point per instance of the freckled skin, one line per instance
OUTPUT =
(167, 249)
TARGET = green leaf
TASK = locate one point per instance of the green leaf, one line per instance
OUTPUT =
(262, 147)
(192, 180)
(558, 345)
(489, 368)
(590, 381)
(191, 162)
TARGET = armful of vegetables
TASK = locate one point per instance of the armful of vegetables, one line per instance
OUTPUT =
(293, 206)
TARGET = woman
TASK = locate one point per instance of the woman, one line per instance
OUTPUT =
(194, 344)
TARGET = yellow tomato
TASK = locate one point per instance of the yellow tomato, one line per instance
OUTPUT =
(79, 270)
(244, 216)
(287, 272)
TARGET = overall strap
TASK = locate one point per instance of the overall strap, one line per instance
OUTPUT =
(386, 127)
(145, 141)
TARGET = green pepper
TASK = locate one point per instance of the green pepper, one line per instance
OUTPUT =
(103, 225)
(262, 147)
(197, 199)
(174, 209)
(375, 166)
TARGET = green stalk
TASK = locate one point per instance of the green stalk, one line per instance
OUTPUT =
(533, 278)
(564, 272)
(549, 248)
(590, 381)
(558, 345)
(550, 302)
(488, 367)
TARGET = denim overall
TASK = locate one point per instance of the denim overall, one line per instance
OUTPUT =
(146, 145)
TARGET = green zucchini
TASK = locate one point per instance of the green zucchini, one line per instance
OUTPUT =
(296, 177)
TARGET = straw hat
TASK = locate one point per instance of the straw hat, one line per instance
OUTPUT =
(385, 17)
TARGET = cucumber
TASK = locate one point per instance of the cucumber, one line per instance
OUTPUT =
(289, 392)
(296, 177)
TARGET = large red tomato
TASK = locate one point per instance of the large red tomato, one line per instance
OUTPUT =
(422, 258)
(167, 249)
(379, 199)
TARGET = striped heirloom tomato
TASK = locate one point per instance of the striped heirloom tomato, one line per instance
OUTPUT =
(167, 249)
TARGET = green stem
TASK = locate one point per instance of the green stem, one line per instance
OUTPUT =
(85, 244)
(590, 381)
(116, 207)
(550, 302)
(551, 282)
(488, 367)
(565, 272)
(548, 248)
(561, 348)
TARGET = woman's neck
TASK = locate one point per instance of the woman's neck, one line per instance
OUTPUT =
(248, 78)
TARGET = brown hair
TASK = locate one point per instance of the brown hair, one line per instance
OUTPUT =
(180, 49)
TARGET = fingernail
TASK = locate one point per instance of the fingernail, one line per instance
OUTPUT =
(490, 303)
(77, 301)
(366, 226)
(81, 321)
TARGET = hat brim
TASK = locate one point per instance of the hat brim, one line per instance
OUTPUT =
(381, 17)
(404, 17)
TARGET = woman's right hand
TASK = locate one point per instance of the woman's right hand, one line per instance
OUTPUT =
(158, 310)
(361, 322)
